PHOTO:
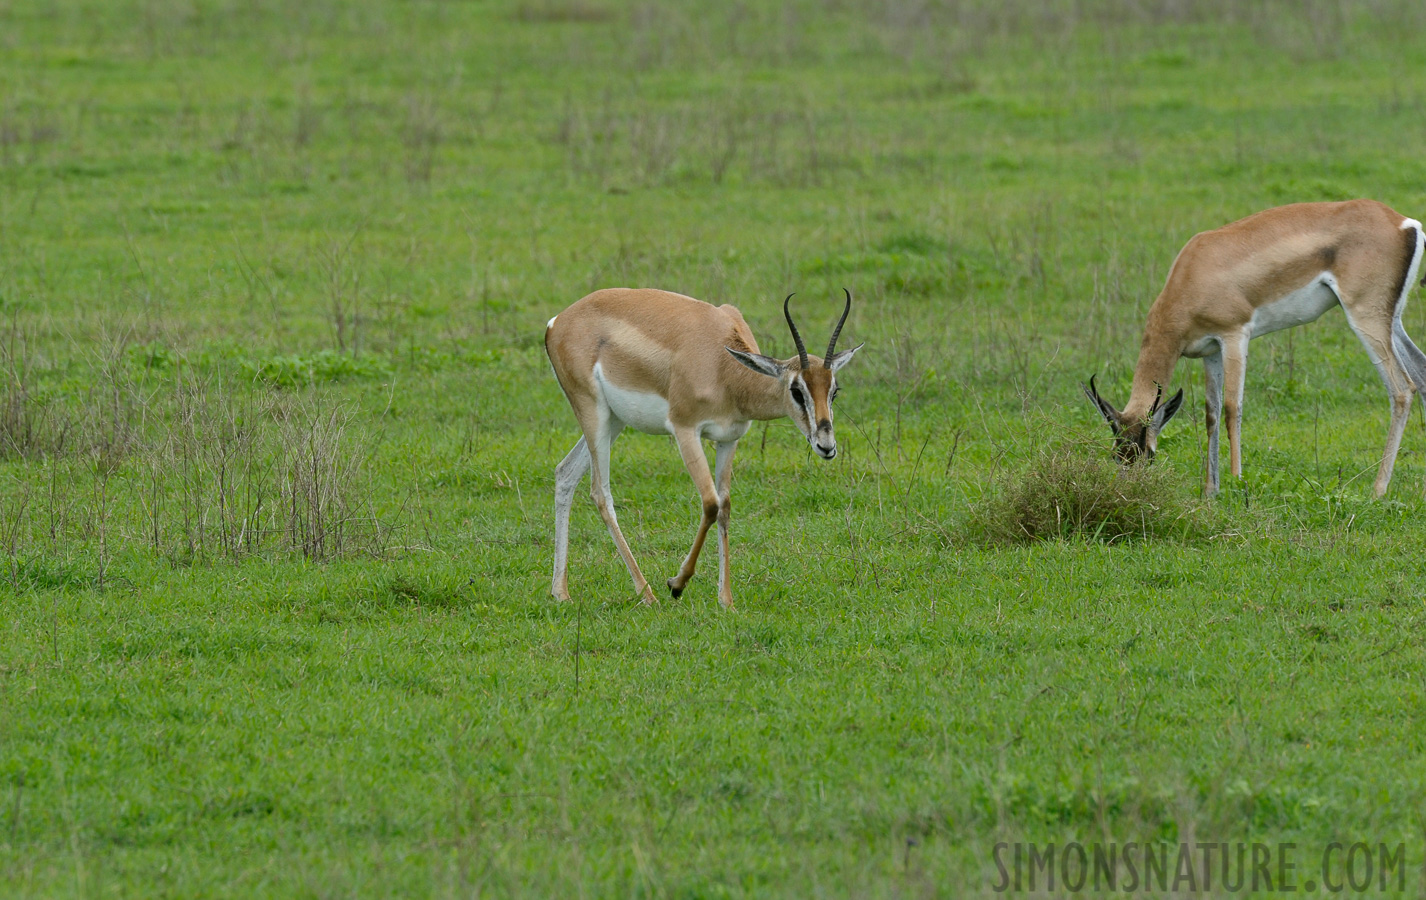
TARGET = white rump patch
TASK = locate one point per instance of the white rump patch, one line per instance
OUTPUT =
(551, 323)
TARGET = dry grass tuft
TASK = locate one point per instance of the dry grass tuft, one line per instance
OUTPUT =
(323, 485)
(1075, 489)
(29, 426)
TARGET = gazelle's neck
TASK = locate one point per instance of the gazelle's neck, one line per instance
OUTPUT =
(1158, 354)
(759, 397)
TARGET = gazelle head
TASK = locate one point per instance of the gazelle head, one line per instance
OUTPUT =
(809, 384)
(1136, 438)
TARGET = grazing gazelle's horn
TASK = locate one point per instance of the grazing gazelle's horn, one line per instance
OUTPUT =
(836, 332)
(1110, 414)
(797, 338)
(1158, 399)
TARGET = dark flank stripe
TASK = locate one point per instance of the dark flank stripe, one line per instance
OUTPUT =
(1406, 266)
(1410, 242)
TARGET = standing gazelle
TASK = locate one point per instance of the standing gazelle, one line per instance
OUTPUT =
(663, 363)
(1273, 270)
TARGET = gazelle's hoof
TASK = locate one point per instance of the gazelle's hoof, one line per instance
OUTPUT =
(674, 589)
(647, 598)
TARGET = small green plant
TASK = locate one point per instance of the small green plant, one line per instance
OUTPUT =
(295, 370)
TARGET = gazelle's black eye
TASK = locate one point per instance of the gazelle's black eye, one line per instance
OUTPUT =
(835, 392)
(797, 396)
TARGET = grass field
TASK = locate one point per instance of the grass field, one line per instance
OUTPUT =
(277, 440)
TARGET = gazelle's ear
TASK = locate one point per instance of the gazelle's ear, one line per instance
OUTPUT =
(1162, 415)
(842, 357)
(1106, 409)
(765, 365)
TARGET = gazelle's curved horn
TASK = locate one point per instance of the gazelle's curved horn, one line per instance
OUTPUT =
(1106, 409)
(1158, 399)
(1093, 391)
(797, 338)
(836, 332)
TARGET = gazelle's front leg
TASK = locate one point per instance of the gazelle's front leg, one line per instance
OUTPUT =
(724, 475)
(1212, 415)
(1235, 373)
(690, 447)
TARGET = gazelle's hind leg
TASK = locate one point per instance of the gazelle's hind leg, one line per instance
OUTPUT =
(568, 474)
(1407, 353)
(600, 430)
(1376, 335)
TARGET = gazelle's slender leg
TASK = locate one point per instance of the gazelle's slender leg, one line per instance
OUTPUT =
(1375, 335)
(568, 474)
(1212, 414)
(600, 435)
(1400, 393)
(723, 473)
(690, 447)
(1235, 373)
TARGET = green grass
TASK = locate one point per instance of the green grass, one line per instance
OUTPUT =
(237, 239)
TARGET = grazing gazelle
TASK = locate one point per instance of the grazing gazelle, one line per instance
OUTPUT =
(663, 363)
(1273, 270)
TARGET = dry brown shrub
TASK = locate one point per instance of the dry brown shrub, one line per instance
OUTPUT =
(323, 485)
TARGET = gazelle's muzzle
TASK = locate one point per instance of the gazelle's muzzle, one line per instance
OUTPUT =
(824, 441)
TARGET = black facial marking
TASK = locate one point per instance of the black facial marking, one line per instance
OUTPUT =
(1132, 444)
(797, 396)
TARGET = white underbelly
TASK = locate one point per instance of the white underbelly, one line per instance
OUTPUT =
(1209, 345)
(648, 412)
(723, 432)
(1297, 308)
(639, 410)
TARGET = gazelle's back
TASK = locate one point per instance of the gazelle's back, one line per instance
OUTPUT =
(637, 334)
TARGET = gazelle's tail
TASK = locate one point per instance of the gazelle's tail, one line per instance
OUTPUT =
(1411, 357)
